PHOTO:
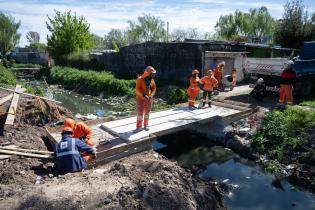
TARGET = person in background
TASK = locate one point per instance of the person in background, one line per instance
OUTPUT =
(218, 74)
(288, 78)
(193, 89)
(68, 153)
(208, 82)
(259, 91)
(82, 132)
(234, 77)
(145, 90)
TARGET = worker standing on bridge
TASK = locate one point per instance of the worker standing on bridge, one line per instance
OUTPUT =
(193, 89)
(68, 156)
(209, 82)
(145, 90)
(81, 131)
(218, 74)
(288, 77)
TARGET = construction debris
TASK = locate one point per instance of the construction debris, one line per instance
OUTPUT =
(13, 106)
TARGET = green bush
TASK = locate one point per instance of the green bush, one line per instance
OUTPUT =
(35, 90)
(25, 65)
(6, 77)
(176, 95)
(90, 82)
(281, 132)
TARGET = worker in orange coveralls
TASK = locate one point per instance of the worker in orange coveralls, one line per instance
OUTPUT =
(209, 82)
(218, 74)
(288, 77)
(234, 77)
(145, 90)
(81, 131)
(193, 89)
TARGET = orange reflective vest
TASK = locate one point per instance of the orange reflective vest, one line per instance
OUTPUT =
(218, 73)
(209, 83)
(194, 86)
(81, 130)
(141, 88)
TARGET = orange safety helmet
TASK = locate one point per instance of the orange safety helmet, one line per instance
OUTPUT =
(67, 129)
(69, 123)
(148, 71)
(195, 71)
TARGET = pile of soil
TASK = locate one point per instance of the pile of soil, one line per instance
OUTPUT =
(142, 181)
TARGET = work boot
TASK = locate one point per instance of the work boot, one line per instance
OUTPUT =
(137, 130)
(209, 104)
(146, 128)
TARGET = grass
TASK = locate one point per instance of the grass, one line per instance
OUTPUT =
(6, 77)
(281, 135)
(25, 65)
(36, 90)
(308, 103)
(91, 82)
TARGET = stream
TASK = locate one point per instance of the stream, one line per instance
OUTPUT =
(253, 188)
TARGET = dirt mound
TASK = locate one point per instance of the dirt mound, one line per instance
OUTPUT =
(142, 181)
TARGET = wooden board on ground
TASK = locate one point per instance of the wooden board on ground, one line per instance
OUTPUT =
(5, 98)
(13, 106)
(162, 124)
(10, 146)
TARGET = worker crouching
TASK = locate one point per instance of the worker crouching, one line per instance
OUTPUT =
(81, 132)
(288, 78)
(68, 153)
(208, 82)
(193, 89)
(145, 90)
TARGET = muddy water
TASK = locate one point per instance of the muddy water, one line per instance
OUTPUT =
(251, 187)
(81, 104)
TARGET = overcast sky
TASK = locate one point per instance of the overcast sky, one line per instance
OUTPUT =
(107, 14)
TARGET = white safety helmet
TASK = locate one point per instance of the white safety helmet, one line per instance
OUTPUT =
(260, 81)
(290, 63)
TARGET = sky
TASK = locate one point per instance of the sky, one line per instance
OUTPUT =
(106, 14)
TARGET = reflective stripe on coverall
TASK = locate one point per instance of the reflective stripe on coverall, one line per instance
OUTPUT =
(193, 91)
(143, 105)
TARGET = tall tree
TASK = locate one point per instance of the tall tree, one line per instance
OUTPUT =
(33, 37)
(295, 27)
(257, 23)
(98, 41)
(9, 36)
(69, 34)
(116, 36)
(180, 34)
(146, 28)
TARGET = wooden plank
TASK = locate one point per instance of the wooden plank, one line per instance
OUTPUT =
(6, 98)
(169, 124)
(31, 95)
(13, 106)
(26, 150)
(129, 124)
(7, 152)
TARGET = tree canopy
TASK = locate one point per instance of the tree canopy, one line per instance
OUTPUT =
(69, 33)
(257, 23)
(146, 28)
(296, 25)
(9, 36)
(33, 37)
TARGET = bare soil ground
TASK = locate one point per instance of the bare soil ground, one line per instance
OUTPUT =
(142, 181)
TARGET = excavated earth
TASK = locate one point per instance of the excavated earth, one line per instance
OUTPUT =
(143, 181)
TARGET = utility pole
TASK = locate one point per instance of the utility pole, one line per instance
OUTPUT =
(167, 30)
